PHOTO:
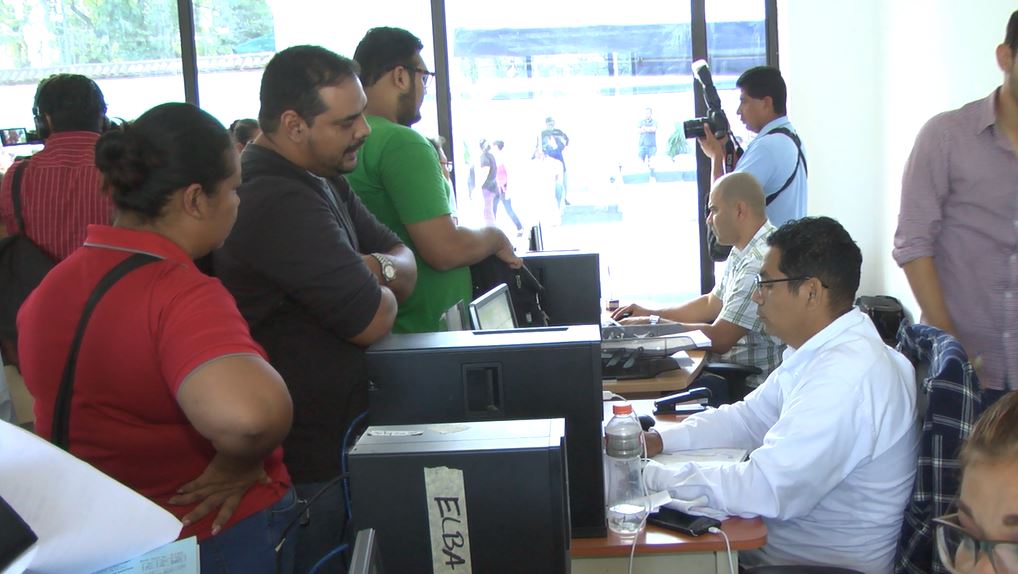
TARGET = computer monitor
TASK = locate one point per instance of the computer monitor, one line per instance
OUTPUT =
(455, 318)
(493, 311)
(572, 285)
(366, 558)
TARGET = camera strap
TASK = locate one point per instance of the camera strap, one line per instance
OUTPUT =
(801, 159)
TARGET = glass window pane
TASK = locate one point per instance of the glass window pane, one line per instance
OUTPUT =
(131, 49)
(236, 38)
(618, 178)
(736, 42)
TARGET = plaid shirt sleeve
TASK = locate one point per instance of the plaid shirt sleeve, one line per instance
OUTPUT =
(954, 402)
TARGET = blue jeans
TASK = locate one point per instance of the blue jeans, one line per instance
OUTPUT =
(249, 546)
(322, 532)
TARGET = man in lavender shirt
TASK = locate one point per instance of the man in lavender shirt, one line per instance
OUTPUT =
(957, 236)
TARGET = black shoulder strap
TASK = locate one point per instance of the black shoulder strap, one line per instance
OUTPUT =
(16, 195)
(62, 408)
(801, 159)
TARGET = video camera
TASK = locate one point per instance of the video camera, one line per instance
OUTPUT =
(18, 136)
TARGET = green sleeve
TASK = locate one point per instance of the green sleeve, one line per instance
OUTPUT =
(413, 179)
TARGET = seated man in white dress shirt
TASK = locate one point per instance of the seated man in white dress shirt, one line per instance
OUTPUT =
(832, 431)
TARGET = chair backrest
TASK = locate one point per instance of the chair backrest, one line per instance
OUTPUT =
(949, 389)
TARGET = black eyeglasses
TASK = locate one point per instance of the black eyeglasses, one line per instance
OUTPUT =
(425, 75)
(761, 282)
(960, 551)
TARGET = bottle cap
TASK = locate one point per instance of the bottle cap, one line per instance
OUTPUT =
(622, 409)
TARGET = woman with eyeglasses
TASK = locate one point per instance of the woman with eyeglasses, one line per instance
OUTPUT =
(983, 535)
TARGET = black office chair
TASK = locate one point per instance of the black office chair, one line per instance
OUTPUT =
(736, 375)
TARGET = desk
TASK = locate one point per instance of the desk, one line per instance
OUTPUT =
(659, 550)
(668, 381)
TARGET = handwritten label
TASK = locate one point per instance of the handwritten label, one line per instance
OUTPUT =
(396, 433)
(447, 520)
(449, 428)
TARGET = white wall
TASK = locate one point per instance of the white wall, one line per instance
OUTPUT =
(863, 78)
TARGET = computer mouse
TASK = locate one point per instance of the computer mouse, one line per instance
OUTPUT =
(646, 421)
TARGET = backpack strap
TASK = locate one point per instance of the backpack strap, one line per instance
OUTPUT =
(16, 195)
(800, 159)
(62, 408)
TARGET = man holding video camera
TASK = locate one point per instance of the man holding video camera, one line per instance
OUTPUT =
(775, 157)
(60, 187)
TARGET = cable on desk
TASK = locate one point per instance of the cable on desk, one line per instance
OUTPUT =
(636, 537)
(728, 547)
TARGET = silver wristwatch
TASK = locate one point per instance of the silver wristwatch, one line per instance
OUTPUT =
(388, 269)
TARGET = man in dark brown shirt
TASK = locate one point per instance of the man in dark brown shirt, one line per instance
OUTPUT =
(314, 273)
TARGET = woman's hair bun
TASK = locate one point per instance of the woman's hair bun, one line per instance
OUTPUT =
(124, 159)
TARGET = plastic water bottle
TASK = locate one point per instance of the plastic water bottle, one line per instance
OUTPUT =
(627, 497)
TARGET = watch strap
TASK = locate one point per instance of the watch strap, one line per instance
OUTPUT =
(384, 262)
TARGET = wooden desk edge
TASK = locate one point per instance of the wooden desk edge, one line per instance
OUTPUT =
(744, 534)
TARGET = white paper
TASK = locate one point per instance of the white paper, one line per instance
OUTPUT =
(702, 455)
(180, 557)
(84, 519)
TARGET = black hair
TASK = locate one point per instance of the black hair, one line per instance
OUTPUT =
(763, 81)
(169, 147)
(73, 103)
(820, 247)
(1011, 35)
(243, 131)
(292, 79)
(382, 49)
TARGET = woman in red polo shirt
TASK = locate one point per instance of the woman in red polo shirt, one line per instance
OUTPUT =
(171, 395)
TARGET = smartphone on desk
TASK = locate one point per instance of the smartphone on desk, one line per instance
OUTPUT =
(681, 522)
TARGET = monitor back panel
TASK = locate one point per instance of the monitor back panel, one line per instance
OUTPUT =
(572, 285)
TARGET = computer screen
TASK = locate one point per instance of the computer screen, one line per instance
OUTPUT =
(365, 558)
(493, 311)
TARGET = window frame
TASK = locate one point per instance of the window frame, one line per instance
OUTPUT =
(698, 38)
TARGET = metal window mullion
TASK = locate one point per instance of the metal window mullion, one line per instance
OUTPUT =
(698, 37)
(188, 50)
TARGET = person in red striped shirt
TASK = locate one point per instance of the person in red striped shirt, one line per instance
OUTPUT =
(60, 186)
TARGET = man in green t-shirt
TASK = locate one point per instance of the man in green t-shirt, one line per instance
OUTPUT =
(400, 180)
